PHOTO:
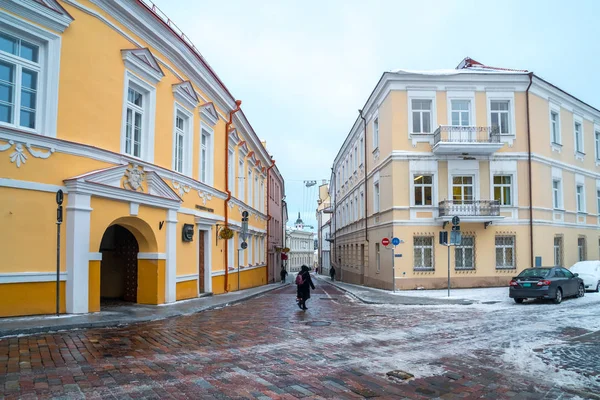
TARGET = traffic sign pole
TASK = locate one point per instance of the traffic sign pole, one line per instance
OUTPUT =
(394, 267)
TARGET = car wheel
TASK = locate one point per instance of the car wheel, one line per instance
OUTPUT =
(519, 301)
(581, 291)
(558, 296)
(598, 287)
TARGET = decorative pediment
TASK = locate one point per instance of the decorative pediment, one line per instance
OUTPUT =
(184, 93)
(126, 183)
(143, 63)
(208, 112)
(252, 158)
(234, 138)
(47, 13)
(244, 148)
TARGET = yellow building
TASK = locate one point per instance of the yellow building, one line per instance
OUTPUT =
(109, 102)
(514, 157)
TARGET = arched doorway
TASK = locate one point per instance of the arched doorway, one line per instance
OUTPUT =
(119, 266)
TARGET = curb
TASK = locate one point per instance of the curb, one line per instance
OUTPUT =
(119, 323)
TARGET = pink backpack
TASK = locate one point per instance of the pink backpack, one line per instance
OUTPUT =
(299, 280)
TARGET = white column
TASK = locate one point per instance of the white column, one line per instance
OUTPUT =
(171, 263)
(78, 250)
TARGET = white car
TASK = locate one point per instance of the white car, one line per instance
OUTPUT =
(589, 271)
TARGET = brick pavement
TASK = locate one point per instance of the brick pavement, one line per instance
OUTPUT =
(249, 351)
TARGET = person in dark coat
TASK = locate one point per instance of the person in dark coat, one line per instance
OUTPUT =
(332, 272)
(283, 274)
(304, 288)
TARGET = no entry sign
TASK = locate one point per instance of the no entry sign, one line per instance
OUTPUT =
(385, 241)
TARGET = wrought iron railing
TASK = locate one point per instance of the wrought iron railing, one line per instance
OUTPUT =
(469, 208)
(466, 134)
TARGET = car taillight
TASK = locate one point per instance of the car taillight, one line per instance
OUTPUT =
(544, 283)
(513, 283)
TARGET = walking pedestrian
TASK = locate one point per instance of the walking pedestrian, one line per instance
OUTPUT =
(332, 273)
(304, 284)
(283, 274)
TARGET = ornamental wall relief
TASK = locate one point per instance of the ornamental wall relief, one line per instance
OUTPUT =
(134, 178)
(181, 188)
(204, 196)
(19, 156)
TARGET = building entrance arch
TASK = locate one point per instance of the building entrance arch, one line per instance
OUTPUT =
(119, 266)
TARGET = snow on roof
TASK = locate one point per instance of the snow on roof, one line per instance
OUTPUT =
(466, 66)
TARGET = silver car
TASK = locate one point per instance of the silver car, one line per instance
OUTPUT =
(553, 283)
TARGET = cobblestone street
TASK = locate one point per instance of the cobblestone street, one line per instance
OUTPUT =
(267, 348)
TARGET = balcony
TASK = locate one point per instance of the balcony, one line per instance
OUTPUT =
(466, 140)
(470, 210)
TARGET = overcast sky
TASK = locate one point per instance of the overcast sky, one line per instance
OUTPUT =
(304, 68)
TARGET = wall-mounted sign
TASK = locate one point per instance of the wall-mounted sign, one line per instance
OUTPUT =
(187, 233)
(202, 208)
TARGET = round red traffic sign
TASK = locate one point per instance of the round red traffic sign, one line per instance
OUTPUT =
(385, 241)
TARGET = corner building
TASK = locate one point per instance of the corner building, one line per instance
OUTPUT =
(110, 102)
(516, 158)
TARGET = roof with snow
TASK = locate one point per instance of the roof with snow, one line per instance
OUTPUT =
(466, 66)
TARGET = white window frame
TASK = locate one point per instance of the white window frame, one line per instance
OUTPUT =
(355, 166)
(422, 95)
(582, 249)
(421, 248)
(231, 252)
(473, 186)
(501, 186)
(557, 200)
(503, 246)
(241, 177)
(579, 145)
(188, 139)
(503, 96)
(231, 170)
(597, 144)
(206, 130)
(558, 251)
(250, 179)
(249, 249)
(598, 201)
(377, 257)
(48, 67)
(461, 250)
(262, 200)
(421, 187)
(376, 197)
(149, 116)
(580, 197)
(256, 191)
(375, 132)
(361, 151)
(362, 205)
(556, 145)
(462, 95)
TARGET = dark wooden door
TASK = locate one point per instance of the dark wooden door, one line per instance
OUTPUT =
(126, 250)
(201, 262)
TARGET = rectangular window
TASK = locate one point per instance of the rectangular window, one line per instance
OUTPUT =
(181, 136)
(500, 116)
(362, 147)
(231, 171)
(378, 257)
(555, 127)
(230, 252)
(362, 205)
(262, 201)
(597, 144)
(558, 251)
(580, 199)
(256, 192)
(464, 254)
(19, 72)
(376, 197)
(582, 249)
(355, 158)
(250, 183)
(423, 253)
(556, 194)
(505, 252)
(249, 249)
(461, 112)
(375, 133)
(240, 177)
(502, 189)
(462, 189)
(598, 200)
(352, 163)
(421, 116)
(578, 138)
(356, 208)
(205, 157)
(133, 127)
(423, 185)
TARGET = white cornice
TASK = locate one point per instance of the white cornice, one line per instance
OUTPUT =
(56, 19)
(143, 63)
(26, 277)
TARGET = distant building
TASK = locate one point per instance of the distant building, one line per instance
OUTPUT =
(323, 229)
(301, 244)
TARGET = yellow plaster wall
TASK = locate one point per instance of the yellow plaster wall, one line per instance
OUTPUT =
(31, 298)
(187, 252)
(28, 221)
(218, 283)
(94, 286)
(151, 282)
(441, 105)
(187, 290)
(481, 109)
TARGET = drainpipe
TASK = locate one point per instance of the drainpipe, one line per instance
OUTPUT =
(529, 166)
(269, 223)
(238, 103)
(365, 162)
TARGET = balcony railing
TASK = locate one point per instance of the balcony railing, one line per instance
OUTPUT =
(466, 134)
(469, 208)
